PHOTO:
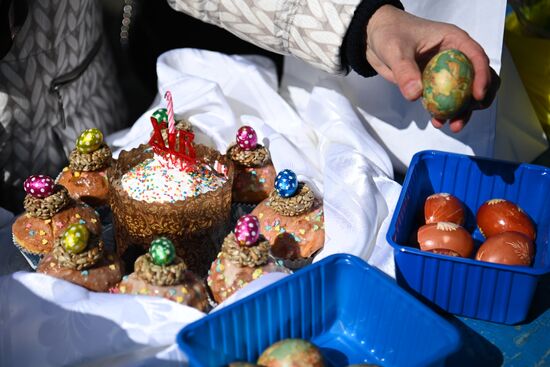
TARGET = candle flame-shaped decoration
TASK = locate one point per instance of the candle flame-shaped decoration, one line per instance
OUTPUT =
(180, 151)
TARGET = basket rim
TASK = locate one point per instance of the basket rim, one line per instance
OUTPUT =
(454, 341)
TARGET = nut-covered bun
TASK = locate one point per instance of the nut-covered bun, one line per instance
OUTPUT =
(100, 278)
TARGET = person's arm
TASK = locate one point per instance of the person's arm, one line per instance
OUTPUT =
(312, 30)
(368, 36)
(399, 45)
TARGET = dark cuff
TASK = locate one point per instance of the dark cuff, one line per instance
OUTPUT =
(353, 50)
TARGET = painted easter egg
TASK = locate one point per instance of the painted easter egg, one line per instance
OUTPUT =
(247, 230)
(89, 141)
(162, 251)
(498, 215)
(445, 238)
(292, 352)
(443, 207)
(39, 186)
(75, 238)
(247, 138)
(447, 84)
(286, 183)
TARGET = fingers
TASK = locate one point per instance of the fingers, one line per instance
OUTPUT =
(457, 124)
(407, 76)
(396, 62)
(438, 124)
(379, 66)
(403, 72)
(480, 62)
(491, 93)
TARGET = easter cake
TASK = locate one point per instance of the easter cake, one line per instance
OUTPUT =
(49, 210)
(80, 257)
(162, 273)
(175, 188)
(244, 257)
(292, 220)
(254, 172)
(85, 177)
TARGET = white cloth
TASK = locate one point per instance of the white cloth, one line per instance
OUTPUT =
(49, 322)
(316, 132)
(326, 144)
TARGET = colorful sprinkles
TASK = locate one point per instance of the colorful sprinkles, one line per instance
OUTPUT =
(149, 181)
(316, 220)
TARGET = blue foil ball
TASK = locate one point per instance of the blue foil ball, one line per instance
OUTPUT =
(286, 183)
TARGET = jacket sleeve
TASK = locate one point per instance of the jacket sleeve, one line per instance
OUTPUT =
(312, 30)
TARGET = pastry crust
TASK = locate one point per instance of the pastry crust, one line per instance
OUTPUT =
(253, 184)
(191, 291)
(196, 225)
(292, 237)
(36, 236)
(91, 187)
(33, 235)
(226, 277)
(100, 278)
(76, 213)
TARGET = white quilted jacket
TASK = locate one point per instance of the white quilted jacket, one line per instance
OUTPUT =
(311, 30)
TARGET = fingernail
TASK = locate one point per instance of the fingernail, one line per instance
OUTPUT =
(412, 89)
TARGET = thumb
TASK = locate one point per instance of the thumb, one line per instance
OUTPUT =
(407, 75)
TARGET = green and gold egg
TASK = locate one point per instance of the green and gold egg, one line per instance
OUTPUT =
(162, 251)
(292, 353)
(89, 140)
(447, 81)
(75, 238)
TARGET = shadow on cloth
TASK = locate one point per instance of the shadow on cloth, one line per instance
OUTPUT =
(37, 332)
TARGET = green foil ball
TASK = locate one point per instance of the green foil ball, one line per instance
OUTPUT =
(75, 238)
(447, 84)
(292, 353)
(89, 141)
(161, 115)
(162, 251)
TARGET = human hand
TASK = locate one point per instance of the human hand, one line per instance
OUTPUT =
(399, 44)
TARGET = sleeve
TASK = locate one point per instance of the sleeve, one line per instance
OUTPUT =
(316, 31)
(312, 30)
(354, 46)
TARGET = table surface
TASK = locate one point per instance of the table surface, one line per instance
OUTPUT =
(484, 343)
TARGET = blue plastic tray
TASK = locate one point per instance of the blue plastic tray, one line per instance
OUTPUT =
(353, 312)
(481, 290)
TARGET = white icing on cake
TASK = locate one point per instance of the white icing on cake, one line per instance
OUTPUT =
(154, 182)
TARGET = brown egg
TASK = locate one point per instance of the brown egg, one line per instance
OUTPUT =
(443, 207)
(508, 248)
(445, 238)
(498, 215)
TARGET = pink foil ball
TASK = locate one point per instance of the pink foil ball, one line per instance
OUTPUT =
(247, 230)
(247, 138)
(39, 186)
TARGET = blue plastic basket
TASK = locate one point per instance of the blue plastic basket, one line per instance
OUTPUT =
(353, 312)
(493, 292)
